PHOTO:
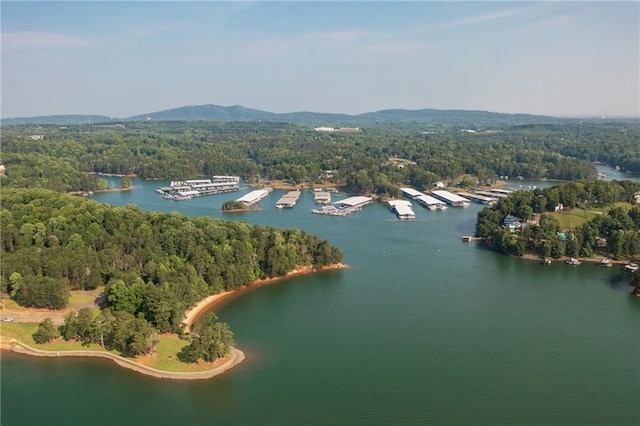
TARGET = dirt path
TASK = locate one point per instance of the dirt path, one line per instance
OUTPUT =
(20, 314)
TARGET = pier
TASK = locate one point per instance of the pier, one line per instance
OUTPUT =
(288, 200)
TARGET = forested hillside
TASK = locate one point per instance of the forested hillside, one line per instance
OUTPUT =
(369, 161)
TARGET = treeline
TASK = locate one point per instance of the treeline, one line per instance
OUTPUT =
(154, 264)
(132, 335)
(362, 160)
(613, 233)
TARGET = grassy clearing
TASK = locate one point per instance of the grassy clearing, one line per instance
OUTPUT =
(21, 331)
(574, 218)
(81, 298)
(165, 356)
(605, 208)
(10, 304)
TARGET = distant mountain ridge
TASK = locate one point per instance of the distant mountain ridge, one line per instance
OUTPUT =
(240, 113)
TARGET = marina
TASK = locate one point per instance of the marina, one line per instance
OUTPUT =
(254, 197)
(402, 209)
(187, 189)
(451, 198)
(288, 200)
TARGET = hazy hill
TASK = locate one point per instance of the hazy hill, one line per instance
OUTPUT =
(58, 119)
(397, 117)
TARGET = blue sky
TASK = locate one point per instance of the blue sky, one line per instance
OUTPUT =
(128, 58)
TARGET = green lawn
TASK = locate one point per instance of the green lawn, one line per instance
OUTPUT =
(81, 298)
(574, 218)
(165, 358)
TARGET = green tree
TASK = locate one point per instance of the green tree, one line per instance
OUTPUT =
(46, 332)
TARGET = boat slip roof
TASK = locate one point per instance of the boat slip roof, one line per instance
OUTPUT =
(254, 196)
(450, 196)
(411, 192)
(353, 201)
(429, 200)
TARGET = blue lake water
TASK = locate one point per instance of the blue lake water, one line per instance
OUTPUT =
(421, 329)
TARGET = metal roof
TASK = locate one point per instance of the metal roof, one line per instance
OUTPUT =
(353, 201)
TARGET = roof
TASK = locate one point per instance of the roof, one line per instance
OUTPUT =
(398, 203)
(353, 201)
(429, 200)
(449, 196)
(411, 192)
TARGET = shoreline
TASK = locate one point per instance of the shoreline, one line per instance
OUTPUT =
(236, 356)
(563, 259)
(195, 312)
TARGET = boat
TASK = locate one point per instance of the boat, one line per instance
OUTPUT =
(631, 267)
(606, 262)
(547, 261)
(573, 261)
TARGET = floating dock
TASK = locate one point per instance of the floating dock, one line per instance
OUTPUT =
(426, 201)
(253, 197)
(431, 203)
(411, 193)
(402, 209)
(479, 198)
(491, 194)
(187, 189)
(344, 207)
(322, 197)
(288, 200)
(450, 198)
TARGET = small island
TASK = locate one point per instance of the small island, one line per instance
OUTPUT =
(235, 206)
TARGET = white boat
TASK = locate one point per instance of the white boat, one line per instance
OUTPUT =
(605, 262)
(631, 267)
(573, 261)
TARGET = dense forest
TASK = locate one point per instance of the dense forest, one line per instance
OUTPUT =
(612, 231)
(154, 264)
(374, 160)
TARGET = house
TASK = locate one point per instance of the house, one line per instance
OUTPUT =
(513, 223)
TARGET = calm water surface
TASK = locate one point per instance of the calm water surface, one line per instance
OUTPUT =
(422, 329)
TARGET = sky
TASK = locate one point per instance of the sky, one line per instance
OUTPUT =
(118, 58)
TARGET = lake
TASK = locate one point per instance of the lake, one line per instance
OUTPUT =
(421, 329)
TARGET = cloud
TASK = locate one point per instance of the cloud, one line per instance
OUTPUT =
(482, 18)
(558, 22)
(25, 40)
(408, 46)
